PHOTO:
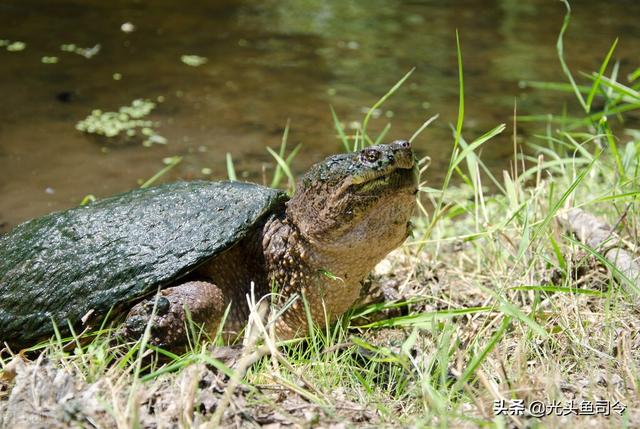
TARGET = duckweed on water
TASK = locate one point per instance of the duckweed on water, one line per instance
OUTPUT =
(193, 60)
(128, 122)
(85, 52)
(49, 60)
(13, 46)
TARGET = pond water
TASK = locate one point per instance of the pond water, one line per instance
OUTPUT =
(269, 62)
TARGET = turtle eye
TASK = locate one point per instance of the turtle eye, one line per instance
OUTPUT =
(370, 155)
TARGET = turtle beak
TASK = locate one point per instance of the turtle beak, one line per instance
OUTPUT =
(406, 160)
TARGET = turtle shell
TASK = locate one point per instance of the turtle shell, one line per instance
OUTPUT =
(91, 258)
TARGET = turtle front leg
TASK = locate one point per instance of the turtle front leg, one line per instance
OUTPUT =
(204, 302)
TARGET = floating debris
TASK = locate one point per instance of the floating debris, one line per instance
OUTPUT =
(351, 44)
(154, 139)
(375, 113)
(15, 46)
(127, 27)
(193, 60)
(85, 52)
(49, 60)
(116, 76)
(127, 123)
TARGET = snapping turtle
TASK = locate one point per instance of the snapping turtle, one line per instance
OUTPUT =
(204, 245)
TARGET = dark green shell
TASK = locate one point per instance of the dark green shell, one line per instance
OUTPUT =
(61, 266)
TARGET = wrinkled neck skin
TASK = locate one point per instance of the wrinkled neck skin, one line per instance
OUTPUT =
(309, 252)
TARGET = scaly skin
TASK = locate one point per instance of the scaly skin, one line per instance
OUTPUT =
(349, 212)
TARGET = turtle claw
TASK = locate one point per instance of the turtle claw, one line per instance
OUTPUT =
(163, 305)
(175, 307)
(166, 325)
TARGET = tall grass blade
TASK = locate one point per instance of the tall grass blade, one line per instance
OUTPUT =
(630, 284)
(603, 67)
(338, 126)
(559, 289)
(613, 146)
(563, 64)
(383, 99)
(456, 143)
(231, 171)
(277, 175)
(629, 95)
(175, 160)
(555, 86)
(477, 360)
(423, 127)
(424, 319)
(563, 198)
(476, 143)
(286, 169)
(382, 134)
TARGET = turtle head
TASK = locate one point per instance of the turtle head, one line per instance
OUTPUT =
(358, 199)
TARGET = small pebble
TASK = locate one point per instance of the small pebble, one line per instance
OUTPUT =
(383, 268)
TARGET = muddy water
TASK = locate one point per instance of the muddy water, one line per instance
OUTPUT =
(269, 62)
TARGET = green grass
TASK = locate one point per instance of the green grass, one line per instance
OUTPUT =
(497, 302)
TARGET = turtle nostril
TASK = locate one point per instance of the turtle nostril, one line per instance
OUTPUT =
(404, 144)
